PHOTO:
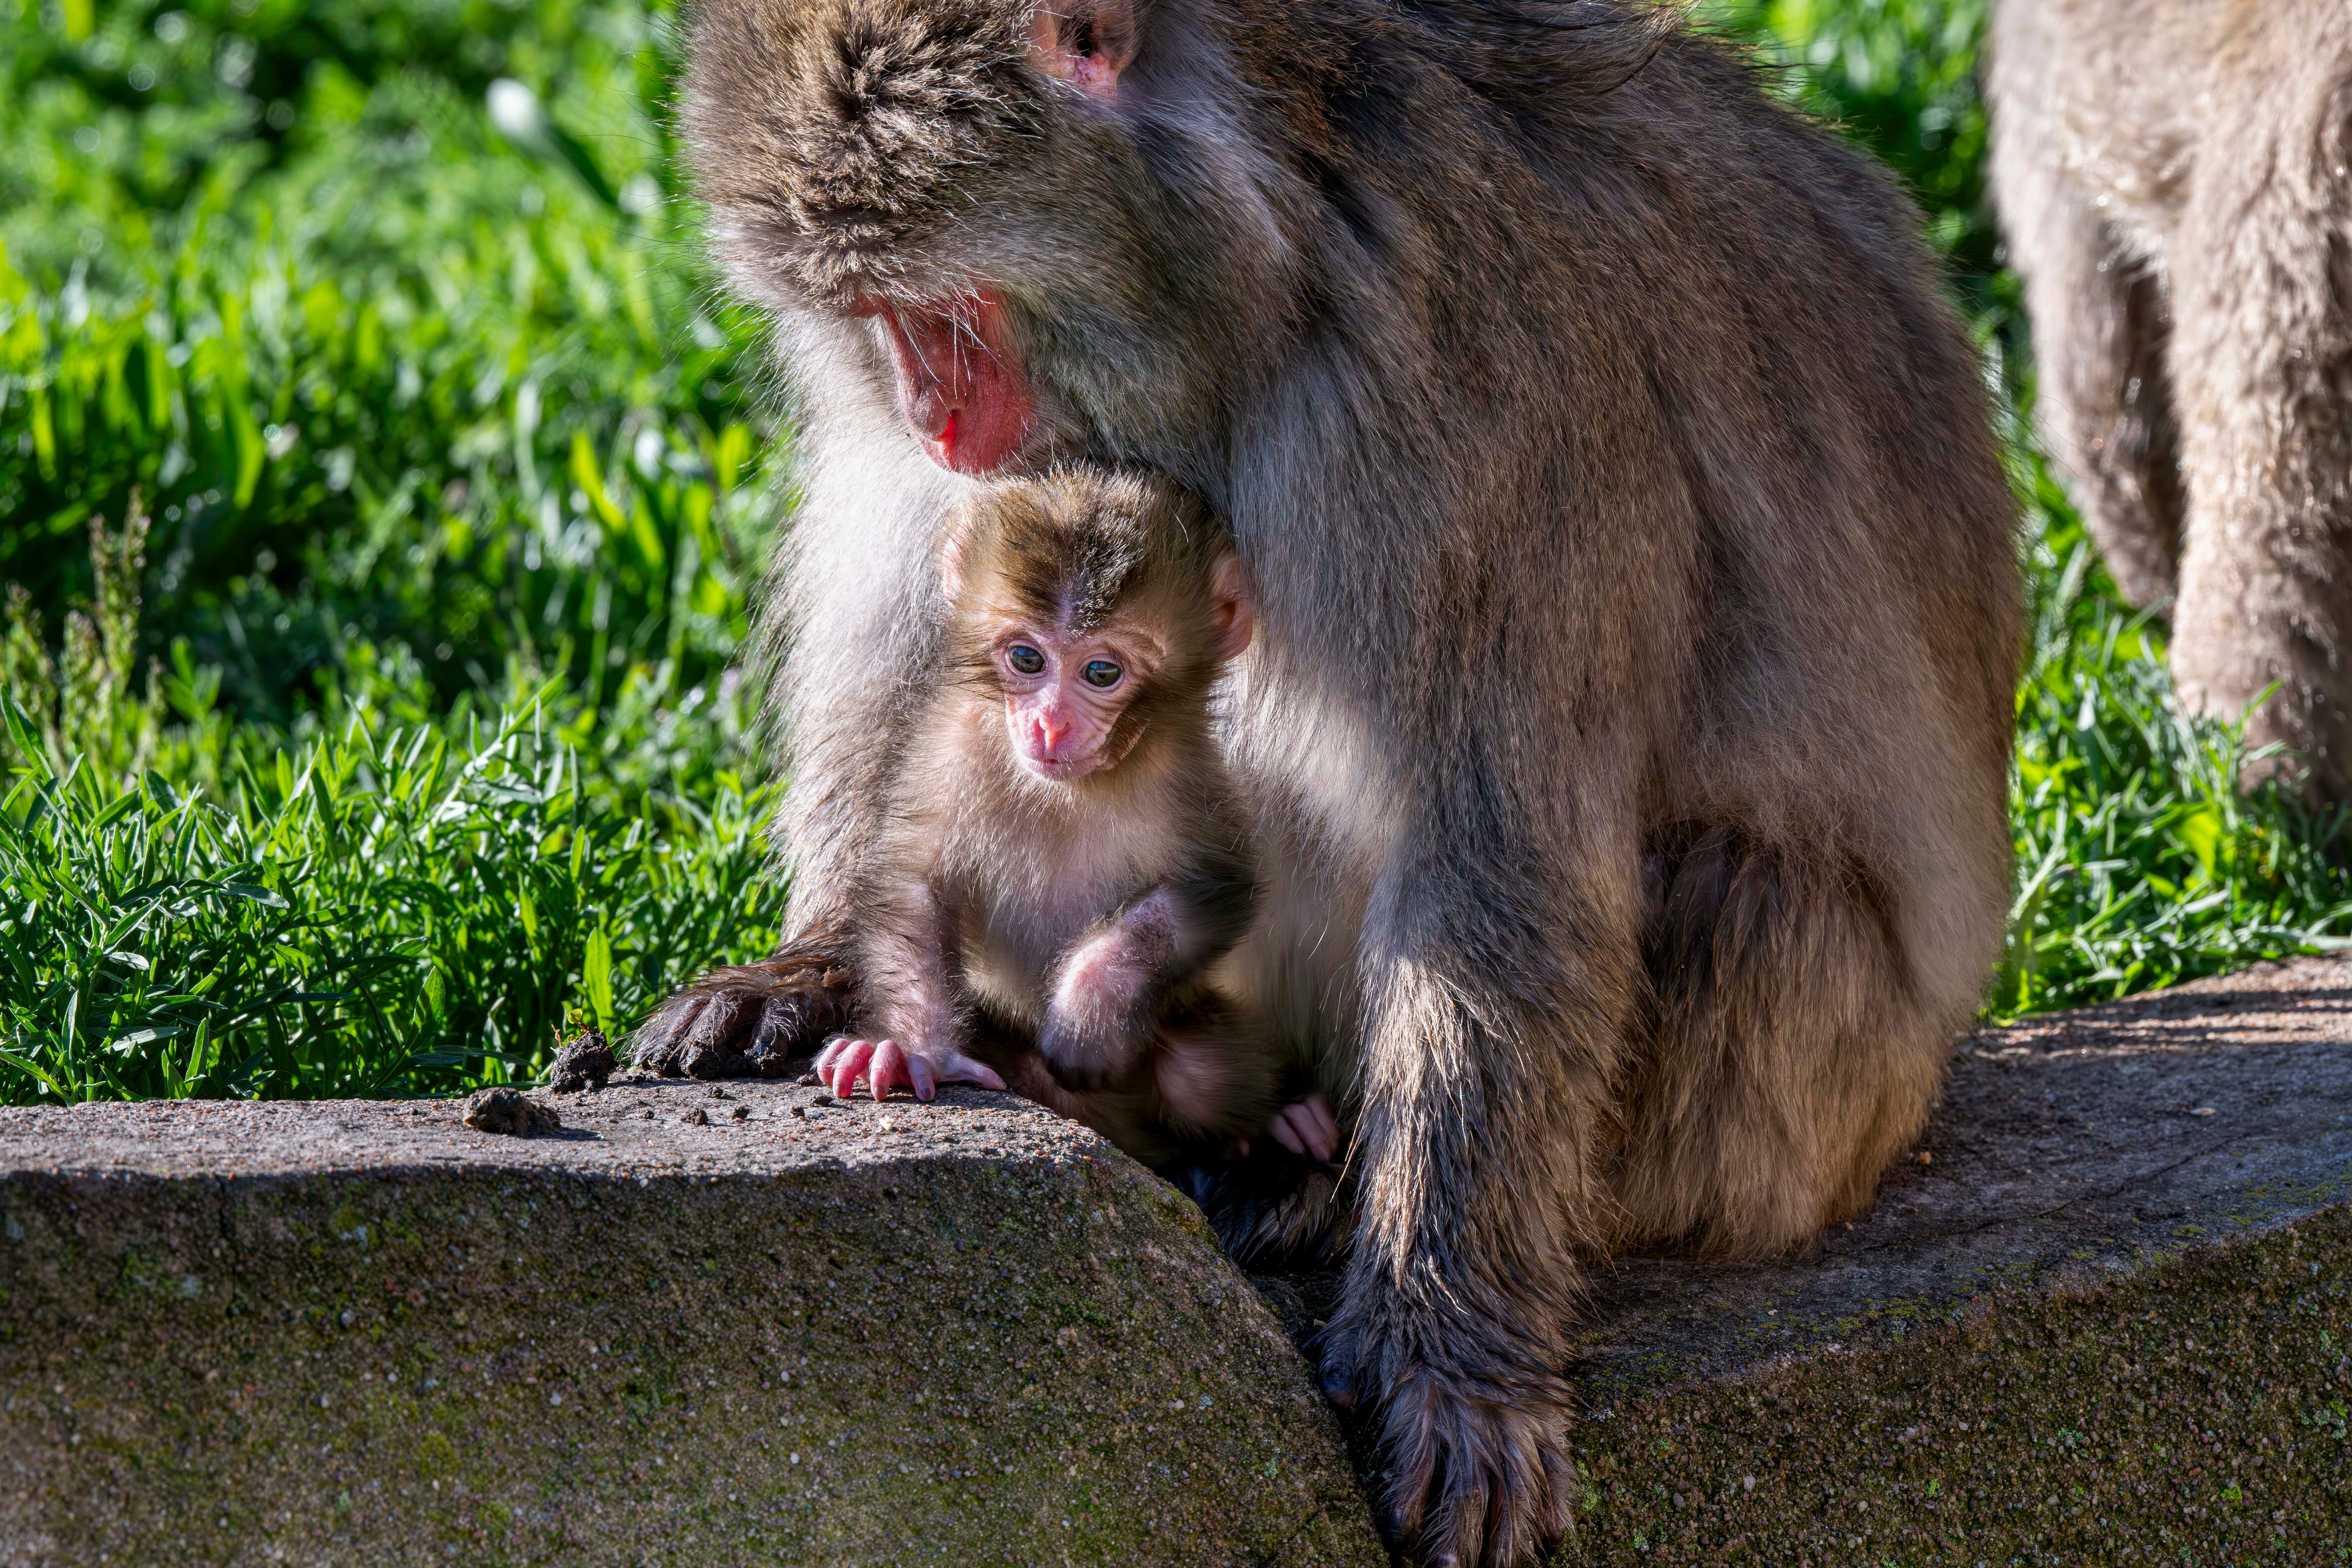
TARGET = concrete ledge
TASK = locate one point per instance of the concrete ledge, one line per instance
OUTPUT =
(364, 1333)
(2111, 1321)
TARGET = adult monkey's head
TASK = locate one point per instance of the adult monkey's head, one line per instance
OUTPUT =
(1058, 223)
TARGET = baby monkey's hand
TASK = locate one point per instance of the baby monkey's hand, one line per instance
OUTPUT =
(919, 1065)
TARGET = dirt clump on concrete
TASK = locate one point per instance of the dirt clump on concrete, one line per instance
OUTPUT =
(510, 1112)
(585, 1062)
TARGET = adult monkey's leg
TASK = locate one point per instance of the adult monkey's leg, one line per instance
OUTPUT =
(2100, 318)
(1793, 1052)
(2263, 354)
(1497, 985)
(2100, 331)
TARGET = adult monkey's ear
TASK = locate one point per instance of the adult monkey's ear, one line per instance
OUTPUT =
(1087, 42)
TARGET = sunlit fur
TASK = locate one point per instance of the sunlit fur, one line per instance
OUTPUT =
(2175, 178)
(988, 886)
(1627, 733)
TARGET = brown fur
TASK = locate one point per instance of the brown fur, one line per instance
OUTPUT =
(1628, 728)
(2176, 180)
(984, 882)
(761, 1020)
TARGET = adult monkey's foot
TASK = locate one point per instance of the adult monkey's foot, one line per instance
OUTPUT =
(1479, 1474)
(754, 1020)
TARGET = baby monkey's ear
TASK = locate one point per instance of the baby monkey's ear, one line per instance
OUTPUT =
(954, 554)
(1085, 42)
(1233, 613)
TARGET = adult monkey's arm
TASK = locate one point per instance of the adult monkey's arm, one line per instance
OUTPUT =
(849, 618)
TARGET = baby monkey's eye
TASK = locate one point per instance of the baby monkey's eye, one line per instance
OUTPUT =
(1023, 659)
(1101, 674)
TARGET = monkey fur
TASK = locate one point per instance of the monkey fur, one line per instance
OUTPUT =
(2175, 180)
(1067, 929)
(1627, 730)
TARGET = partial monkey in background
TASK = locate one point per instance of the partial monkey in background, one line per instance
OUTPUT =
(1627, 730)
(1065, 865)
(2175, 179)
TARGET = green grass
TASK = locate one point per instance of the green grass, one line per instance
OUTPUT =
(398, 903)
(401, 737)
(385, 372)
(405, 731)
(2139, 862)
(392, 909)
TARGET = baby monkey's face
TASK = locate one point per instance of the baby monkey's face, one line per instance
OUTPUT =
(1099, 605)
(1063, 693)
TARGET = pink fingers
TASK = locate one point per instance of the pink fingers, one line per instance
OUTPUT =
(1306, 1127)
(886, 1065)
(1325, 1135)
(1286, 1134)
(849, 1066)
(888, 1069)
(962, 1069)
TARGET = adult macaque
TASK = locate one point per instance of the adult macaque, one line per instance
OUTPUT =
(1628, 723)
(1064, 857)
(2176, 180)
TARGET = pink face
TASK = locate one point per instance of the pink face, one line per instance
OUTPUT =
(961, 385)
(961, 389)
(1063, 696)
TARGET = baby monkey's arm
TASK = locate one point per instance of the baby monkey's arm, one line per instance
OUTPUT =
(910, 1031)
(1109, 990)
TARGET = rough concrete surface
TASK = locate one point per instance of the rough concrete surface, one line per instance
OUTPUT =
(2110, 1321)
(787, 1333)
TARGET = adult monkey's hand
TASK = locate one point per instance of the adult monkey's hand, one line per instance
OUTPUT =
(754, 1020)
(1629, 726)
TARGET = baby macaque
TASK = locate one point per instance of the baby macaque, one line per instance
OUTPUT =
(1065, 859)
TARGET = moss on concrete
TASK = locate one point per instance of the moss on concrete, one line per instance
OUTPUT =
(2108, 1320)
(2194, 1413)
(852, 1356)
